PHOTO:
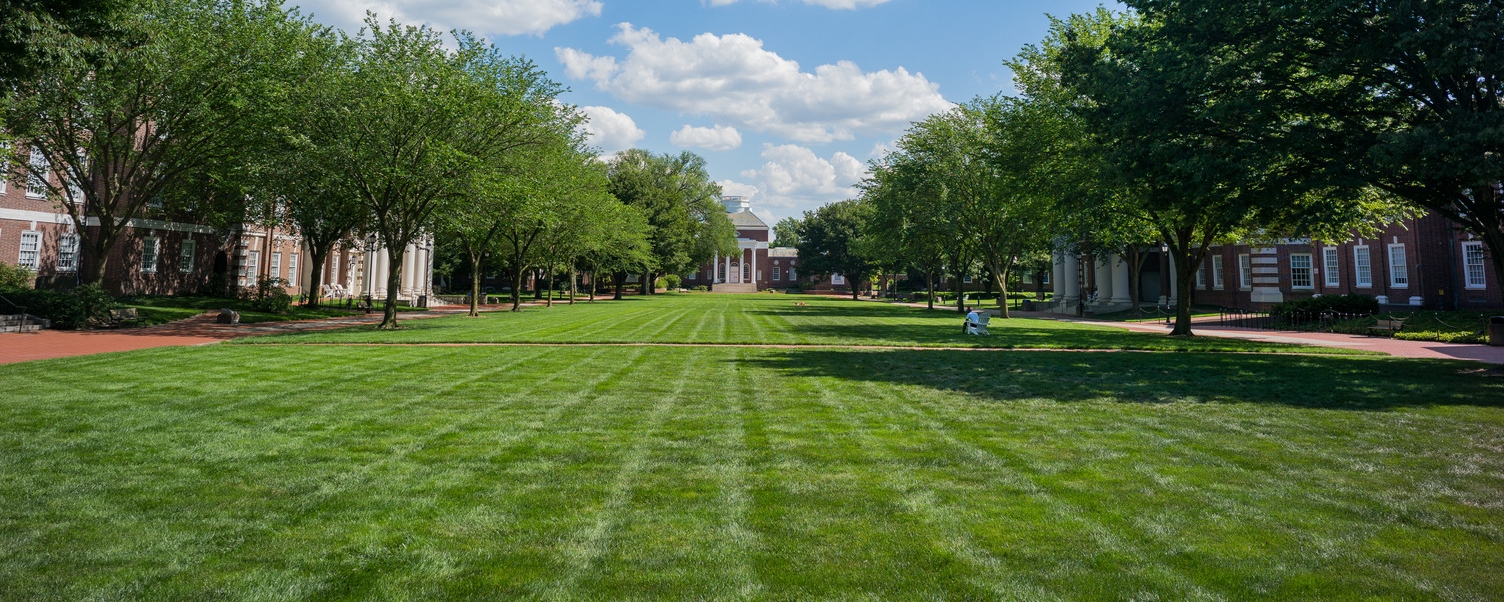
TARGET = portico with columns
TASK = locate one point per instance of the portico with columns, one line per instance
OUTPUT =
(1098, 284)
(750, 269)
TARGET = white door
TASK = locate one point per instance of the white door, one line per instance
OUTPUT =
(736, 273)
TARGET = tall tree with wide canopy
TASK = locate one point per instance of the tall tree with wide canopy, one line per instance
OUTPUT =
(156, 119)
(830, 242)
(417, 124)
(682, 205)
(1177, 141)
(907, 225)
(1403, 95)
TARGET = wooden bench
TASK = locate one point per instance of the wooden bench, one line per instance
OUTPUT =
(124, 315)
(1390, 326)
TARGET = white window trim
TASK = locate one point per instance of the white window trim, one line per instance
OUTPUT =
(155, 244)
(276, 265)
(1404, 266)
(1331, 275)
(1310, 269)
(36, 253)
(1467, 276)
(1245, 271)
(1219, 280)
(1359, 271)
(837, 280)
(186, 256)
(71, 265)
(292, 269)
(4, 169)
(1201, 275)
(46, 170)
(777, 273)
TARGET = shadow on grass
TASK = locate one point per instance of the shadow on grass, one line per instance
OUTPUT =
(1065, 377)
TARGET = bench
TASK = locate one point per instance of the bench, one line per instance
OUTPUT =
(124, 315)
(1389, 326)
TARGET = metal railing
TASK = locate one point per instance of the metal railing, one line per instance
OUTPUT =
(22, 311)
(1295, 320)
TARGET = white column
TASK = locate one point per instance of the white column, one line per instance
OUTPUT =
(1174, 296)
(754, 266)
(1265, 264)
(1120, 293)
(409, 257)
(1104, 282)
(715, 267)
(383, 270)
(728, 269)
(1072, 279)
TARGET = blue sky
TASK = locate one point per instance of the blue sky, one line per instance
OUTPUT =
(787, 100)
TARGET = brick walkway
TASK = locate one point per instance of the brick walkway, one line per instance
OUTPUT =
(198, 330)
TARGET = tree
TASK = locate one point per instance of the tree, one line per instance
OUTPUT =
(785, 233)
(906, 226)
(40, 35)
(830, 242)
(682, 205)
(623, 246)
(1176, 139)
(157, 119)
(1401, 95)
(417, 126)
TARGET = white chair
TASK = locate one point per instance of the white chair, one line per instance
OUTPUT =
(979, 326)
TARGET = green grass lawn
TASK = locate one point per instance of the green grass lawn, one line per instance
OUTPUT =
(768, 319)
(592, 473)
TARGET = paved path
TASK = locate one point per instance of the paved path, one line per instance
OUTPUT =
(198, 330)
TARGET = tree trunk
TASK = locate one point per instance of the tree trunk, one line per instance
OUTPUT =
(517, 287)
(571, 285)
(647, 283)
(999, 276)
(930, 286)
(475, 271)
(393, 283)
(960, 295)
(316, 275)
(621, 279)
(548, 281)
(99, 251)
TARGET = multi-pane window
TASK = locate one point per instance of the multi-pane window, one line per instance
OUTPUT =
(1300, 270)
(1044, 278)
(837, 280)
(292, 269)
(777, 273)
(1399, 275)
(1362, 267)
(4, 166)
(31, 250)
(1245, 271)
(1217, 272)
(248, 270)
(149, 247)
(276, 270)
(186, 256)
(1329, 267)
(1201, 275)
(67, 253)
(791, 274)
(1472, 264)
(36, 177)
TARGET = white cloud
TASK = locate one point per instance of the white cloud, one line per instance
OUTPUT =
(613, 132)
(485, 17)
(794, 179)
(841, 4)
(734, 79)
(718, 138)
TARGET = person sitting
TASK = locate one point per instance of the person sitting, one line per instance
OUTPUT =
(976, 322)
(971, 318)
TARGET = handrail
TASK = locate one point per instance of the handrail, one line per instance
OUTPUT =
(24, 316)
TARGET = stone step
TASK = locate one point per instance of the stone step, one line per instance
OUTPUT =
(735, 288)
(20, 323)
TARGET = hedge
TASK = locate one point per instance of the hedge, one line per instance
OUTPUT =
(71, 309)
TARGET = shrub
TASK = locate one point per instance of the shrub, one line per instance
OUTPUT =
(671, 282)
(71, 309)
(701, 289)
(14, 277)
(1442, 337)
(271, 296)
(1345, 304)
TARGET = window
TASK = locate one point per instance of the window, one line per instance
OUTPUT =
(837, 280)
(1362, 267)
(31, 250)
(1300, 270)
(67, 253)
(252, 266)
(966, 280)
(185, 257)
(276, 271)
(1329, 267)
(149, 246)
(1472, 264)
(694, 276)
(36, 177)
(791, 273)
(1044, 278)
(1245, 271)
(292, 269)
(777, 273)
(1217, 279)
(1399, 277)
(1201, 275)
(746, 272)
(4, 167)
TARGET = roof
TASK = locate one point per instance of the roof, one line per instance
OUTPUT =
(745, 219)
(783, 252)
